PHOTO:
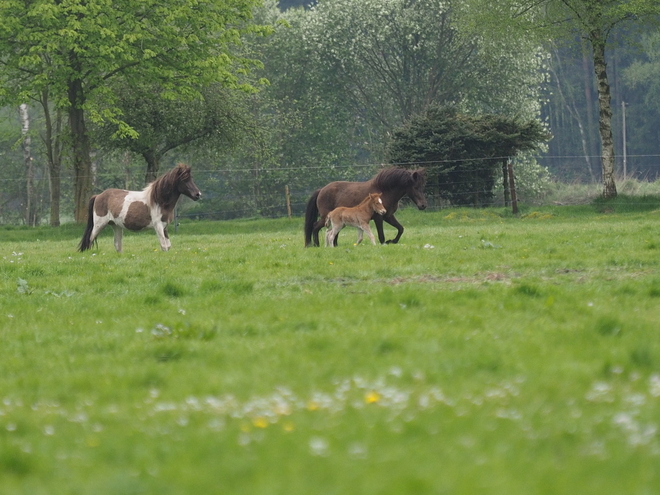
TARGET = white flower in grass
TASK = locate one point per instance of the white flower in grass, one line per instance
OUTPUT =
(319, 446)
(654, 385)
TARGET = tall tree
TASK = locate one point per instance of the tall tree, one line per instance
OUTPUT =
(30, 200)
(591, 20)
(350, 71)
(164, 124)
(53, 140)
(76, 47)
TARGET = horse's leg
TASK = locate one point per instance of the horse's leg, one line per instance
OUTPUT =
(98, 227)
(167, 238)
(119, 232)
(334, 243)
(394, 223)
(369, 233)
(331, 237)
(378, 220)
(328, 234)
(360, 232)
(160, 232)
(315, 230)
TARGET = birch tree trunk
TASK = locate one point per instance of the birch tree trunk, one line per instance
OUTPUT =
(605, 114)
(30, 203)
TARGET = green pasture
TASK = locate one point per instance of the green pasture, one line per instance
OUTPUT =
(486, 353)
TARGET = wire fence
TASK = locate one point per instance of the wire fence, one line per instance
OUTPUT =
(232, 192)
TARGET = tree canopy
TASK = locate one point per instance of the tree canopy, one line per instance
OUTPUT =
(462, 153)
(75, 48)
(562, 21)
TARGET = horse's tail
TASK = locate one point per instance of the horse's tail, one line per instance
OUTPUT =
(311, 215)
(86, 241)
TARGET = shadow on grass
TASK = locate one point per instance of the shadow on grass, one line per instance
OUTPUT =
(627, 204)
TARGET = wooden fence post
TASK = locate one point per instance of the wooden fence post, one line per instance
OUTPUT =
(505, 181)
(512, 187)
(288, 200)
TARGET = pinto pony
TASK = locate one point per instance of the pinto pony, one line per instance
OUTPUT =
(136, 210)
(357, 216)
(393, 183)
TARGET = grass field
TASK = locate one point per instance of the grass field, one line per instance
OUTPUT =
(483, 354)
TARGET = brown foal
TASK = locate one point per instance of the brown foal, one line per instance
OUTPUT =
(357, 216)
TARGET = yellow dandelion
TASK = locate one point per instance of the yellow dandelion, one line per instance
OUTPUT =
(93, 441)
(312, 406)
(372, 397)
(260, 422)
(288, 426)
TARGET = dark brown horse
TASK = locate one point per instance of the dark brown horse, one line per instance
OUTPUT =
(393, 183)
(136, 210)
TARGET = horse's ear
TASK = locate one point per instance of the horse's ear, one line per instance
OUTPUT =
(183, 171)
(419, 175)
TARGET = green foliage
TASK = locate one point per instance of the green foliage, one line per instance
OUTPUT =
(427, 367)
(179, 44)
(462, 153)
(346, 73)
(217, 118)
(74, 50)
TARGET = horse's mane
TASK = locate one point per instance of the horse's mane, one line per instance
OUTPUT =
(394, 177)
(160, 190)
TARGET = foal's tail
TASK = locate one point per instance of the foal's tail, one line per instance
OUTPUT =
(86, 241)
(311, 215)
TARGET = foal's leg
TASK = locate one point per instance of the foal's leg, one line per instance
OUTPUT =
(327, 236)
(359, 237)
(119, 232)
(366, 228)
(332, 235)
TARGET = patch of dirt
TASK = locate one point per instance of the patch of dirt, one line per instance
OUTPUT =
(478, 278)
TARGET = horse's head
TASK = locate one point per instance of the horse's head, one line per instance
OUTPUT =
(377, 203)
(185, 183)
(416, 189)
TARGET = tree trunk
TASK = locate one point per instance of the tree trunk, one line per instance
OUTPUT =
(605, 117)
(52, 141)
(153, 164)
(82, 162)
(30, 203)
